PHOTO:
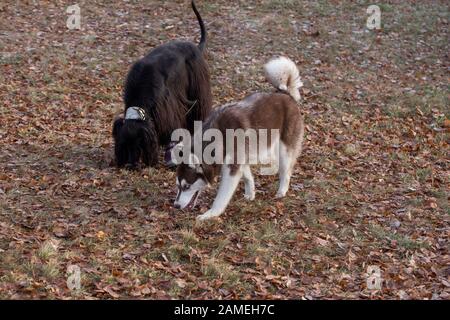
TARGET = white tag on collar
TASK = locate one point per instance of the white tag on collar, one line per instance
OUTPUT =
(135, 113)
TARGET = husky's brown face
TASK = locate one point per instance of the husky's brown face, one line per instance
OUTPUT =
(190, 182)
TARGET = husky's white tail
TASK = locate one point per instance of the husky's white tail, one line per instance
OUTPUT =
(283, 74)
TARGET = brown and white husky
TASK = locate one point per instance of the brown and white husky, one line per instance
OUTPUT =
(277, 113)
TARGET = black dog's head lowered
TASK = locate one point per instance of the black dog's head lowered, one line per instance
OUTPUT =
(135, 140)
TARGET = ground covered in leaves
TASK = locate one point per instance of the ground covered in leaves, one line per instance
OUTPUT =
(371, 188)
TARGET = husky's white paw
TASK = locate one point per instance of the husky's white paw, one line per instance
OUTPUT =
(249, 196)
(280, 194)
(208, 215)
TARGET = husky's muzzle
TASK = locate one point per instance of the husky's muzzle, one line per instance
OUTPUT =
(188, 194)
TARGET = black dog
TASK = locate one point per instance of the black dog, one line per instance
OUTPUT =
(166, 90)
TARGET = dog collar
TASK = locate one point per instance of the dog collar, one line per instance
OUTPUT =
(135, 113)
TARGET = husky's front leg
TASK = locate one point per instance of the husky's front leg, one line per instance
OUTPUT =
(227, 187)
(249, 183)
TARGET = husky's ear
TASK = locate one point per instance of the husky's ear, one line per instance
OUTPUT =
(179, 145)
(177, 154)
(193, 160)
(194, 163)
(178, 148)
(199, 169)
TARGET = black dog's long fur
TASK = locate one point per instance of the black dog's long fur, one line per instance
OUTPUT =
(172, 85)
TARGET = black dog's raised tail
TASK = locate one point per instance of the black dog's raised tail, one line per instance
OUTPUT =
(202, 43)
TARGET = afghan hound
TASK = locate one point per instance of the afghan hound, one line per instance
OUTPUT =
(166, 90)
